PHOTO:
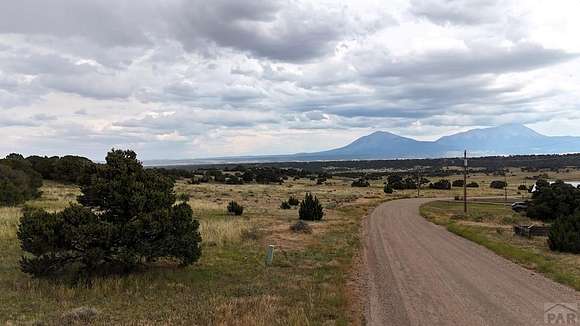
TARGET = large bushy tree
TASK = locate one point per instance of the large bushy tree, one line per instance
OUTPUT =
(15, 186)
(127, 216)
(498, 184)
(73, 169)
(360, 183)
(397, 182)
(68, 168)
(18, 181)
(442, 184)
(551, 201)
(458, 183)
(565, 234)
(44, 165)
(268, 175)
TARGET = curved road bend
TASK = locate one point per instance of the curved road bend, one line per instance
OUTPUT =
(420, 274)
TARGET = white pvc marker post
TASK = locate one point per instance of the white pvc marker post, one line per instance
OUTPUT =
(270, 255)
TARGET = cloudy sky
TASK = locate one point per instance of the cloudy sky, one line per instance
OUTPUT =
(200, 78)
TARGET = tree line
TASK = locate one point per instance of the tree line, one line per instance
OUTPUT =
(21, 178)
(549, 162)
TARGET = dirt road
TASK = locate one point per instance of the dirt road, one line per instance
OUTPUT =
(418, 273)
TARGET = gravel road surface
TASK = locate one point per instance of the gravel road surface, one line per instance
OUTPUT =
(418, 273)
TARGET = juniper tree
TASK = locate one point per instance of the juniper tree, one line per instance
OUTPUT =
(235, 209)
(310, 208)
(126, 217)
(293, 201)
(285, 205)
(564, 234)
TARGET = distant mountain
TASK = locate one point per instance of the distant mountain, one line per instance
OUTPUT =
(501, 140)
(508, 139)
(378, 144)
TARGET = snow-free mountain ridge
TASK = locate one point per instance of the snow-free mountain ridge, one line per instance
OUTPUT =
(510, 139)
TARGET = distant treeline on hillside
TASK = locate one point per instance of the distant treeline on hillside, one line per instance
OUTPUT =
(529, 162)
(21, 178)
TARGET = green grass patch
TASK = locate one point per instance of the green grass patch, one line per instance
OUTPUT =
(441, 212)
(536, 261)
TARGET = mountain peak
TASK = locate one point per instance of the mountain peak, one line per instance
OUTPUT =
(380, 133)
(514, 127)
(505, 132)
(380, 138)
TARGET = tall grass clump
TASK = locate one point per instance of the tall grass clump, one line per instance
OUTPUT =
(221, 231)
(9, 217)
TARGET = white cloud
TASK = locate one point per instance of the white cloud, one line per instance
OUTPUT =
(201, 78)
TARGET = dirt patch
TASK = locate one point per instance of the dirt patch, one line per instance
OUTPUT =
(357, 283)
(281, 236)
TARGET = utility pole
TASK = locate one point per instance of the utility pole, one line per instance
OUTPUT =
(506, 185)
(418, 183)
(465, 182)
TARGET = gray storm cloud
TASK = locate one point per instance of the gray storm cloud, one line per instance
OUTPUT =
(186, 78)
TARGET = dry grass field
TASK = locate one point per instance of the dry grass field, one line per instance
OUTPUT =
(230, 285)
